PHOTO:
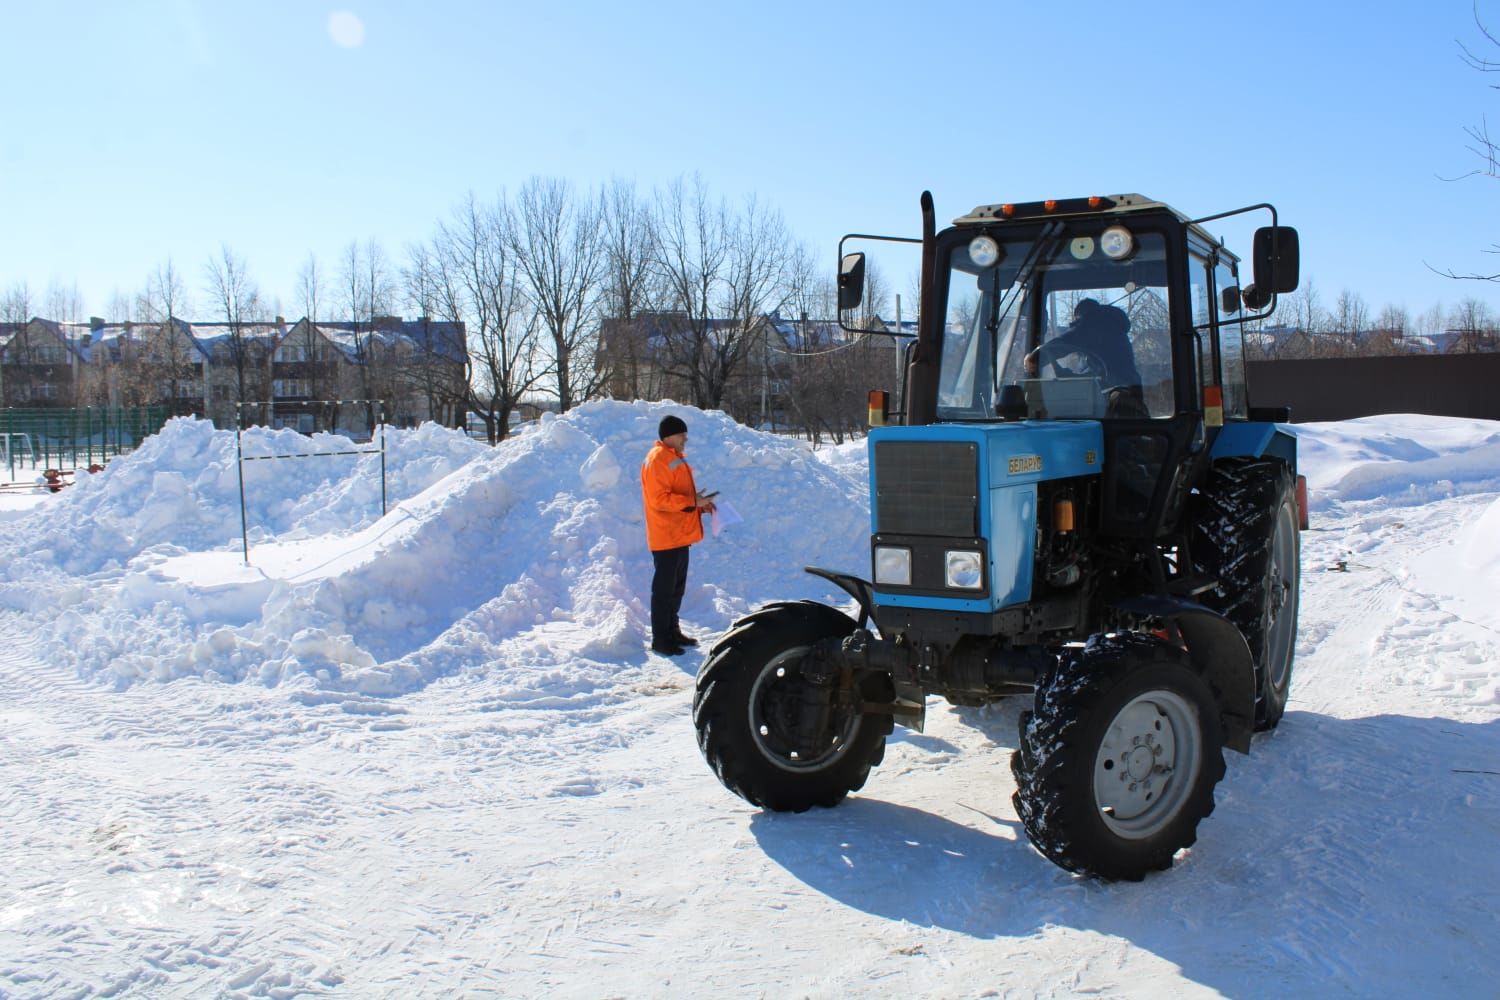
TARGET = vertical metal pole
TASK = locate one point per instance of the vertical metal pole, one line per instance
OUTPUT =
(382, 459)
(239, 457)
(897, 345)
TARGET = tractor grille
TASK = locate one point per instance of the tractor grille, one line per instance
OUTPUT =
(927, 488)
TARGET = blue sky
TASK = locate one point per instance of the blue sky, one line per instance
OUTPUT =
(131, 132)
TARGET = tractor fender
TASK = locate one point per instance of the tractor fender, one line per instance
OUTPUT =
(1255, 439)
(856, 588)
(1219, 653)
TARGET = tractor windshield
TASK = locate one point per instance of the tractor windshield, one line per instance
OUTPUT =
(1078, 317)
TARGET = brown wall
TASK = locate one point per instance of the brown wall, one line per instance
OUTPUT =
(1447, 385)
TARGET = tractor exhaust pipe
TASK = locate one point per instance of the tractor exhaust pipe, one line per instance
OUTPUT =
(922, 373)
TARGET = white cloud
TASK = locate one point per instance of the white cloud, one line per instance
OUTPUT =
(346, 30)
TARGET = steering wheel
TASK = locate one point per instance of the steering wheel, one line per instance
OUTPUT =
(1092, 366)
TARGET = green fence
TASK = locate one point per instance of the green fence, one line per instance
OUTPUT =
(73, 438)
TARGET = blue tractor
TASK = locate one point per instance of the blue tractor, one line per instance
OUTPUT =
(1078, 503)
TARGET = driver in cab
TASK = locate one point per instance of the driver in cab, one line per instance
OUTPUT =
(1100, 334)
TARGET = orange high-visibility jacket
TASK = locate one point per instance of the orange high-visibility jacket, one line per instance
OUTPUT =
(671, 500)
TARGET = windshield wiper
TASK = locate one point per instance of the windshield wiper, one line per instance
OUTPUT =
(1050, 236)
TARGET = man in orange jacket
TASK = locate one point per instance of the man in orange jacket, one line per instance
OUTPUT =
(674, 509)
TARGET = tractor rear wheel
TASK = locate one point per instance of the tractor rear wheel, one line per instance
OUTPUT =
(1244, 533)
(749, 704)
(1117, 765)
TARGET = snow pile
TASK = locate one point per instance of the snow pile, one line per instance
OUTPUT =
(1400, 458)
(181, 488)
(482, 549)
(527, 561)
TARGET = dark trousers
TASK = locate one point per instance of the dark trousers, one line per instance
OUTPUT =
(667, 587)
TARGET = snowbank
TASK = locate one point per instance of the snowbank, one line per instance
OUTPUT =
(527, 559)
(137, 572)
(1399, 458)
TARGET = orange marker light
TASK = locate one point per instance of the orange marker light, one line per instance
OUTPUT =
(1062, 515)
(1213, 406)
(878, 407)
(1050, 204)
(1095, 201)
(1007, 210)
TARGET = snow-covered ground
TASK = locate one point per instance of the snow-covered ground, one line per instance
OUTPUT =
(428, 754)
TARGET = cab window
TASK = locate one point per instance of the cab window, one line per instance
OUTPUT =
(1231, 345)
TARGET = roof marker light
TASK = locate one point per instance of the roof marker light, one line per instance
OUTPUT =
(1050, 204)
(1095, 201)
(1007, 210)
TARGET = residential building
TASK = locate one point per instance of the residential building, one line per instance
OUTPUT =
(261, 372)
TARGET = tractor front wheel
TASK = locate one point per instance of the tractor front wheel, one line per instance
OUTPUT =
(1117, 764)
(751, 707)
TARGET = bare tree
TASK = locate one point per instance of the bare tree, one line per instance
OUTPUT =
(165, 295)
(1303, 311)
(629, 285)
(432, 375)
(475, 282)
(1431, 322)
(316, 367)
(786, 378)
(310, 281)
(120, 307)
(1388, 332)
(557, 241)
(721, 274)
(1475, 325)
(630, 290)
(238, 301)
(757, 285)
(1393, 319)
(1480, 143)
(1350, 318)
(690, 255)
(364, 292)
(165, 366)
(15, 312)
(16, 304)
(63, 303)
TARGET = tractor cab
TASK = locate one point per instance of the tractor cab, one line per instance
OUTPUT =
(1116, 309)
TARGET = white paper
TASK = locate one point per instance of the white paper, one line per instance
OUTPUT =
(723, 516)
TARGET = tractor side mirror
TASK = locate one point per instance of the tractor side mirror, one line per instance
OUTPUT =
(873, 273)
(1229, 301)
(851, 281)
(1276, 260)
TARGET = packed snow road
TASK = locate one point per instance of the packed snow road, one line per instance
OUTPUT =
(539, 821)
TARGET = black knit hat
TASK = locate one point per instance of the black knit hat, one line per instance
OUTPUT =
(670, 425)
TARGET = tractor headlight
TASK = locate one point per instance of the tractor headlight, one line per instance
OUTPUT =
(962, 569)
(1116, 242)
(984, 251)
(892, 566)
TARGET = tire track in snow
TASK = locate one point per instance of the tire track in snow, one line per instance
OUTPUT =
(171, 820)
(223, 833)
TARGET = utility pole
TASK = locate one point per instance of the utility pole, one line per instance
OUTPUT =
(896, 344)
(765, 369)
